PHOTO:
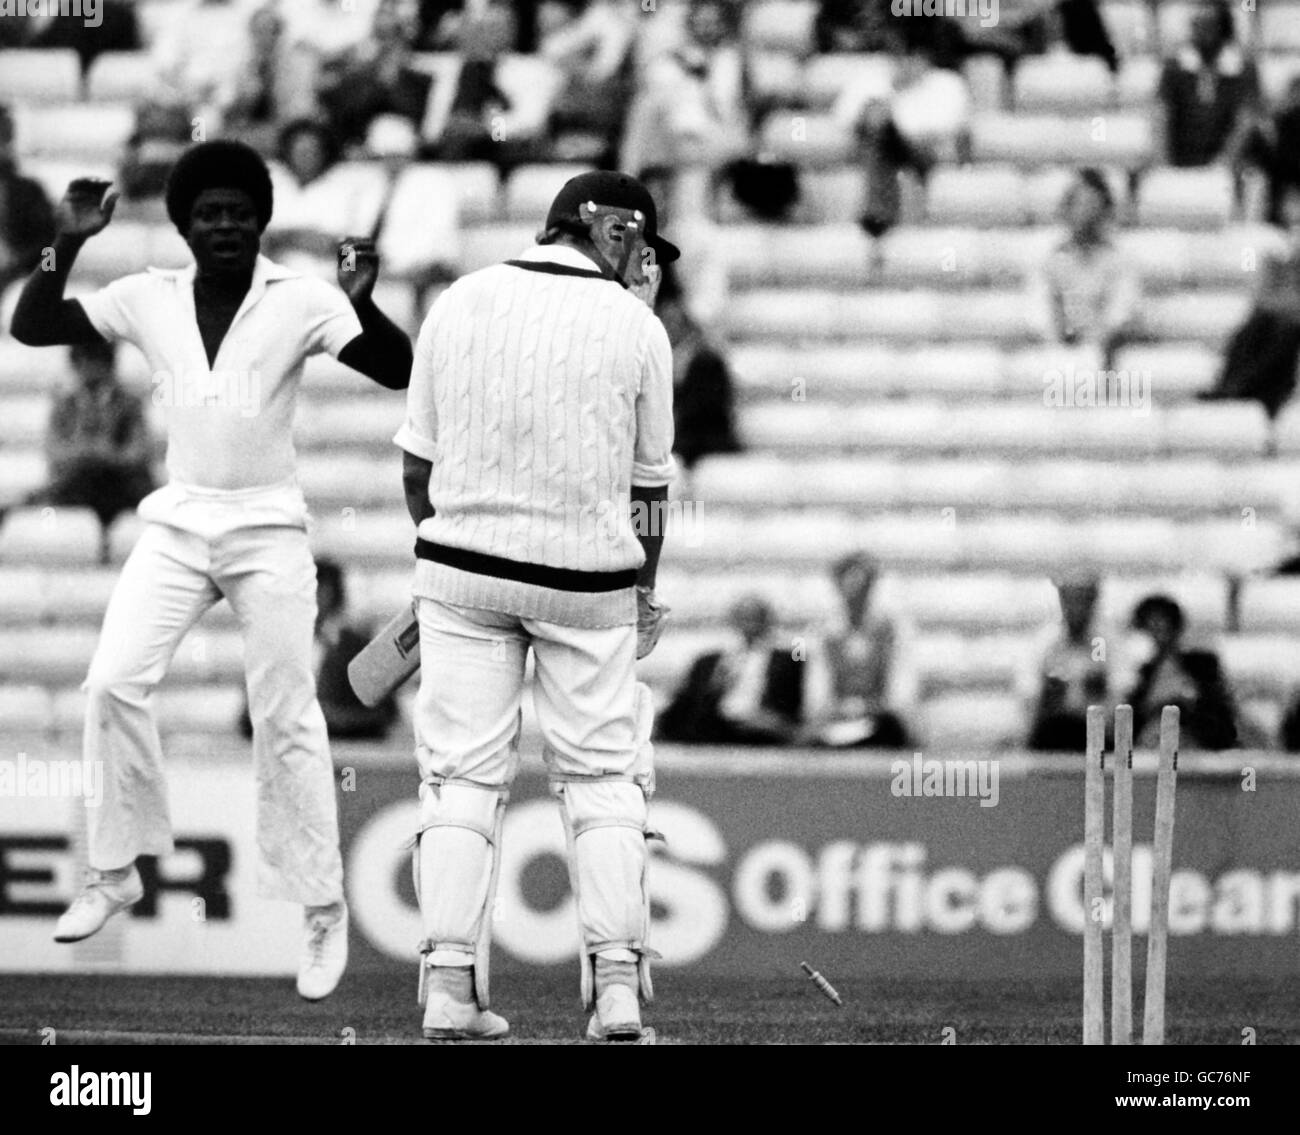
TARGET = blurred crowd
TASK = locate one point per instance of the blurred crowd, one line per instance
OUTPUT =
(357, 103)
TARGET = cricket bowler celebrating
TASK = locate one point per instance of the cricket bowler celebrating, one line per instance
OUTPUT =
(225, 340)
(538, 429)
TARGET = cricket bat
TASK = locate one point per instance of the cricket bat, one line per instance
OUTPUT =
(388, 659)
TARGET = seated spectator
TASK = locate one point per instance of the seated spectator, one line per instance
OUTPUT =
(337, 642)
(1291, 725)
(1192, 680)
(1032, 27)
(858, 27)
(751, 694)
(850, 682)
(1070, 673)
(97, 446)
(314, 202)
(904, 118)
(1263, 354)
(117, 31)
(26, 216)
(272, 86)
(1272, 145)
(378, 76)
(1209, 91)
(1085, 293)
(592, 49)
(690, 109)
(703, 402)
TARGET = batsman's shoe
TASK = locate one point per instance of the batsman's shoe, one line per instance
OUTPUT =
(105, 894)
(618, 1006)
(450, 1011)
(324, 950)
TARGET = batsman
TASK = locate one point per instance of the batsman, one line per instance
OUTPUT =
(538, 453)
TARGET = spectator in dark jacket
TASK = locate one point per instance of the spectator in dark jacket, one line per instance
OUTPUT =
(1262, 355)
(749, 695)
(26, 217)
(1192, 680)
(117, 30)
(703, 401)
(1209, 91)
(337, 642)
(98, 445)
(1272, 145)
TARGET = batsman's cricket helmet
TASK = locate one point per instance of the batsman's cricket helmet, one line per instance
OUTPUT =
(617, 190)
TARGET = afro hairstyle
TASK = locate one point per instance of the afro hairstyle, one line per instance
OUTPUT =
(222, 164)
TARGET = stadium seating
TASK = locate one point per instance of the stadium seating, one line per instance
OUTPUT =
(48, 76)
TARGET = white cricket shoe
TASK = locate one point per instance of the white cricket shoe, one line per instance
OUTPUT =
(450, 1011)
(617, 1015)
(324, 950)
(104, 894)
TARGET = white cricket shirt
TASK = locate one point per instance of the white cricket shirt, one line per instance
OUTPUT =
(229, 426)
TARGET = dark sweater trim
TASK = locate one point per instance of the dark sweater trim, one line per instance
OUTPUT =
(558, 579)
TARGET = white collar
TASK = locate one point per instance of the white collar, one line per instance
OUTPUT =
(264, 271)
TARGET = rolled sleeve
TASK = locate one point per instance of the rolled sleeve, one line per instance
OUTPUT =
(652, 462)
(419, 431)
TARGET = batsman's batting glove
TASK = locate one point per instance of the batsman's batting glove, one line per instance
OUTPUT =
(650, 615)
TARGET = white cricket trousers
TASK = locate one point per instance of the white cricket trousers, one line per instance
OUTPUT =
(472, 683)
(172, 576)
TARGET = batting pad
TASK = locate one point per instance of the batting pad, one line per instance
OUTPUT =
(605, 822)
(456, 875)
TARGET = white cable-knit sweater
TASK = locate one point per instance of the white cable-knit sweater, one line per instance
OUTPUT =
(541, 393)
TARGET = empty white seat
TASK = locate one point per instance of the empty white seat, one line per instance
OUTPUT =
(825, 76)
(1276, 74)
(1172, 371)
(39, 75)
(55, 174)
(977, 195)
(45, 655)
(1239, 546)
(986, 77)
(350, 421)
(783, 25)
(50, 535)
(122, 536)
(1203, 316)
(491, 244)
(832, 196)
(121, 76)
(1279, 26)
(1130, 27)
(26, 708)
(122, 248)
(1138, 80)
(21, 470)
(1185, 198)
(968, 722)
(1116, 139)
(77, 596)
(477, 189)
(1261, 664)
(973, 601)
(1270, 605)
(1060, 81)
(93, 132)
(806, 138)
(1226, 429)
(531, 189)
(333, 482)
(23, 420)
(775, 74)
